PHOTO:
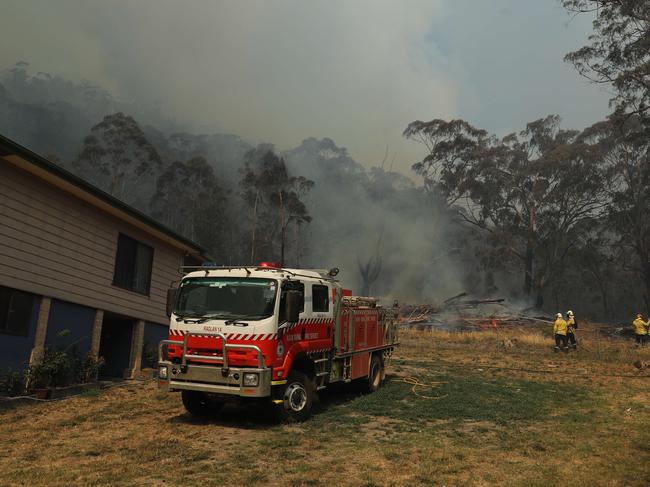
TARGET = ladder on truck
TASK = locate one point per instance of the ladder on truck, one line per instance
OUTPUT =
(323, 368)
(347, 369)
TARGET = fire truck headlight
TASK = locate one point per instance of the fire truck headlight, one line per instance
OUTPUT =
(162, 372)
(251, 380)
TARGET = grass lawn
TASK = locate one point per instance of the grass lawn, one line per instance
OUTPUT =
(457, 409)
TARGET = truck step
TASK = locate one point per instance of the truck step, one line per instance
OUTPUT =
(320, 360)
(320, 388)
(322, 374)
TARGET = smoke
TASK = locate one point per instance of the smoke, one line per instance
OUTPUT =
(277, 71)
(285, 71)
(378, 221)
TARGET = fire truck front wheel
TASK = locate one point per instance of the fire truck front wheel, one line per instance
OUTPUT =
(199, 404)
(297, 398)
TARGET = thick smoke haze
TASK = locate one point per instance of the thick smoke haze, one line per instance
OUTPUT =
(377, 218)
(330, 85)
(283, 71)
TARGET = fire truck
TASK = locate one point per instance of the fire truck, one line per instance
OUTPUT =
(270, 334)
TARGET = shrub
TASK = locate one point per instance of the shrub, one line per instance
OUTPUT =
(87, 369)
(12, 383)
(53, 370)
(61, 368)
(150, 354)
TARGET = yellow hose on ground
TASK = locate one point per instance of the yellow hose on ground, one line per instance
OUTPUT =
(415, 383)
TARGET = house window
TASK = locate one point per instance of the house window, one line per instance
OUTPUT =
(320, 298)
(133, 265)
(15, 311)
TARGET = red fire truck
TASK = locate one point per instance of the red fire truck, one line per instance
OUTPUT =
(270, 334)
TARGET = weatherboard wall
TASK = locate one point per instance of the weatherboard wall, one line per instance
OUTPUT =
(56, 245)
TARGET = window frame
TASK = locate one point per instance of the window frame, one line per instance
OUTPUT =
(226, 279)
(4, 314)
(290, 286)
(138, 244)
(327, 298)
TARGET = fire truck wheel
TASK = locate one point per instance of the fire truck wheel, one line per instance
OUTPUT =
(199, 404)
(374, 375)
(297, 398)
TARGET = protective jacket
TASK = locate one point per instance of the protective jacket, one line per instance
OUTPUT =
(639, 327)
(571, 324)
(560, 327)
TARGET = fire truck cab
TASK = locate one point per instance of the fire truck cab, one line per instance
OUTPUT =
(270, 334)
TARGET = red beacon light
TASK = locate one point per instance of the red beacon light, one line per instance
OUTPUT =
(271, 265)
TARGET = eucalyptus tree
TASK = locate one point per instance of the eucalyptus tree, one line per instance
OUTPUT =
(189, 199)
(618, 52)
(528, 191)
(618, 55)
(624, 147)
(274, 199)
(118, 157)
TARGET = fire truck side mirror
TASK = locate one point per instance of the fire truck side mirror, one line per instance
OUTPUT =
(171, 299)
(292, 306)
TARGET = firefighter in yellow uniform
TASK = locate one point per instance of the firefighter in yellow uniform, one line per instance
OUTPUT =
(571, 324)
(640, 330)
(560, 330)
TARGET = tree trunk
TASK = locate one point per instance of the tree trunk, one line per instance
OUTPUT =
(646, 281)
(530, 255)
(298, 244)
(112, 187)
(528, 270)
(603, 296)
(603, 291)
(282, 237)
(283, 229)
(193, 221)
(257, 195)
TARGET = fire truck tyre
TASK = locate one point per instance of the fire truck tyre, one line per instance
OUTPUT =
(374, 375)
(297, 399)
(199, 404)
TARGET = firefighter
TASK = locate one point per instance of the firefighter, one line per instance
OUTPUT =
(559, 330)
(572, 325)
(640, 330)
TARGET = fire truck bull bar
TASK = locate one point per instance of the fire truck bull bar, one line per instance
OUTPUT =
(208, 378)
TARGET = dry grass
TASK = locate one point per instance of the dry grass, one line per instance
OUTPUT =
(504, 415)
(592, 344)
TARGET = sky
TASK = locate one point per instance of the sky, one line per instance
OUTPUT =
(279, 71)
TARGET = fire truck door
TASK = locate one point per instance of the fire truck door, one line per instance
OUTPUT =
(322, 310)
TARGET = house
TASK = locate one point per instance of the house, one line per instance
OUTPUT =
(79, 269)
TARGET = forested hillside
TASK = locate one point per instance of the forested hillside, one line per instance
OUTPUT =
(549, 216)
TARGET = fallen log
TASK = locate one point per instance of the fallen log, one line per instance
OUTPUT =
(454, 298)
(475, 302)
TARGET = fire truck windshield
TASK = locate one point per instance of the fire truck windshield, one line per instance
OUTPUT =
(226, 298)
